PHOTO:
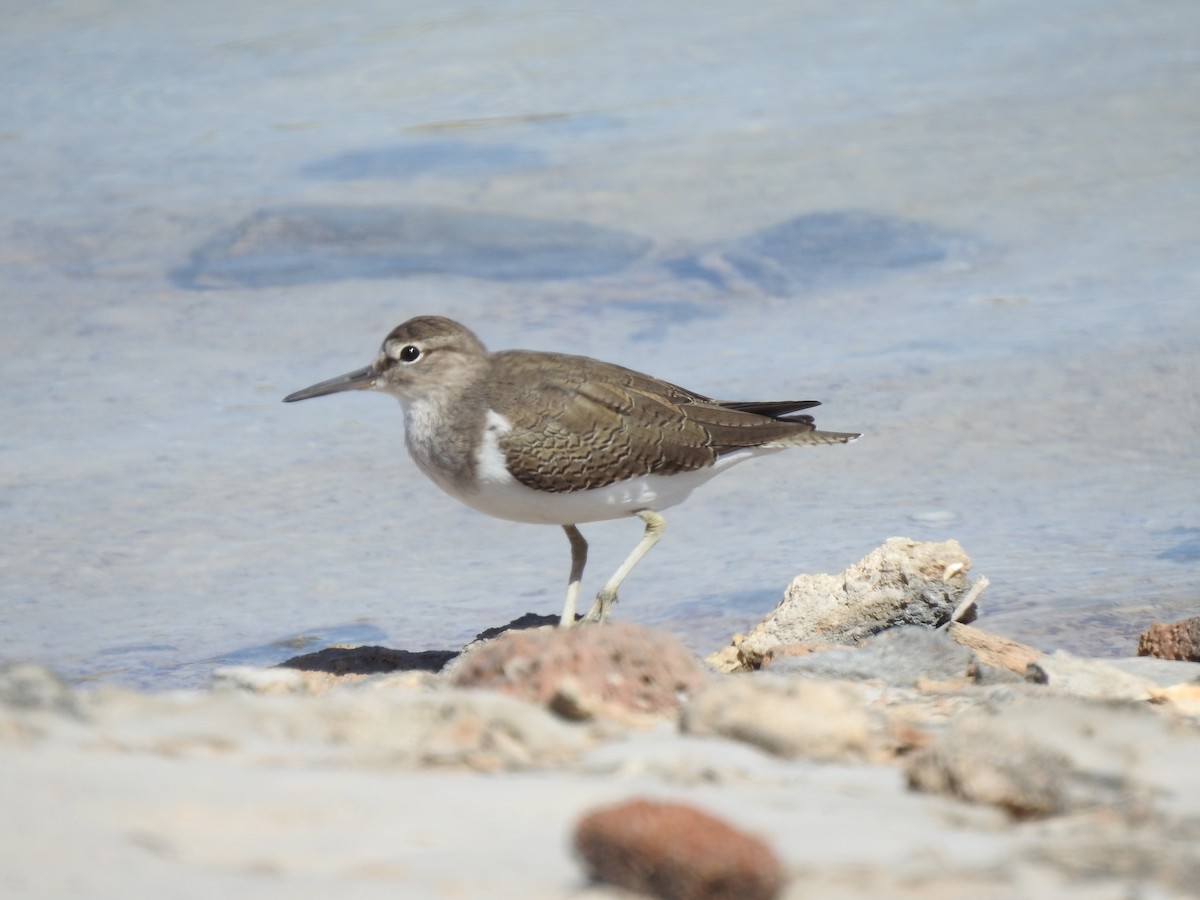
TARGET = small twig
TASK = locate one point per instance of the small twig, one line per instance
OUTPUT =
(968, 601)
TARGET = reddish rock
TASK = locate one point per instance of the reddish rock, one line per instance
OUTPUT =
(675, 852)
(613, 670)
(1177, 640)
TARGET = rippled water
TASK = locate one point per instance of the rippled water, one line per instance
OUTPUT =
(970, 230)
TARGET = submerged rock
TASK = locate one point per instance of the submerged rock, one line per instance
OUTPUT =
(821, 249)
(306, 244)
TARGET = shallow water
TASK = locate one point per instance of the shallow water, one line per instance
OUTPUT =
(971, 231)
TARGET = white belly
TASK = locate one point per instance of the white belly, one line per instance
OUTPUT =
(498, 494)
(509, 499)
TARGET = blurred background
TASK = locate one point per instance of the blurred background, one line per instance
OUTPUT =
(970, 229)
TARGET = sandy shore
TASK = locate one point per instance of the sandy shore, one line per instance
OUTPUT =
(941, 777)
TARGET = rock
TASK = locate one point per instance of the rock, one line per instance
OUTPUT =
(1177, 640)
(27, 687)
(369, 660)
(521, 623)
(727, 659)
(1181, 699)
(1136, 856)
(1163, 672)
(282, 680)
(614, 671)
(904, 582)
(1051, 755)
(903, 657)
(991, 675)
(790, 717)
(685, 760)
(1066, 673)
(486, 731)
(675, 852)
(783, 651)
(984, 764)
(255, 680)
(357, 725)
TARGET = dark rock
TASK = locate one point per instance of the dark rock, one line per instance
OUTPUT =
(903, 657)
(369, 660)
(528, 620)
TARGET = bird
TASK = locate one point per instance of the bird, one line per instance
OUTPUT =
(556, 439)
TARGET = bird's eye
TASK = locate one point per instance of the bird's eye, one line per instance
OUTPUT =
(410, 353)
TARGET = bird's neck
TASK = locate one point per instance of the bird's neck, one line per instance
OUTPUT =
(440, 433)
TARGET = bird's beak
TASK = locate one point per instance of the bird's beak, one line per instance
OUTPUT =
(358, 380)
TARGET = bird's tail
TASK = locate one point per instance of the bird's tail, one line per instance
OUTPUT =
(805, 438)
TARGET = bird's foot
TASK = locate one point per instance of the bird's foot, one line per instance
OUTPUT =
(601, 608)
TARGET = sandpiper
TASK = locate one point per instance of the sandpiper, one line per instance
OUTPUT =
(557, 439)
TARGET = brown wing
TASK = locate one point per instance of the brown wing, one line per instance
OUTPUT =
(579, 423)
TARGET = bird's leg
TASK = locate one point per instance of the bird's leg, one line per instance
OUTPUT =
(578, 561)
(655, 526)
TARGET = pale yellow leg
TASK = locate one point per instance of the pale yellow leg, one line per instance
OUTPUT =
(578, 561)
(655, 526)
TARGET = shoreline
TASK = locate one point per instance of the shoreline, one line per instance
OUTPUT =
(933, 775)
